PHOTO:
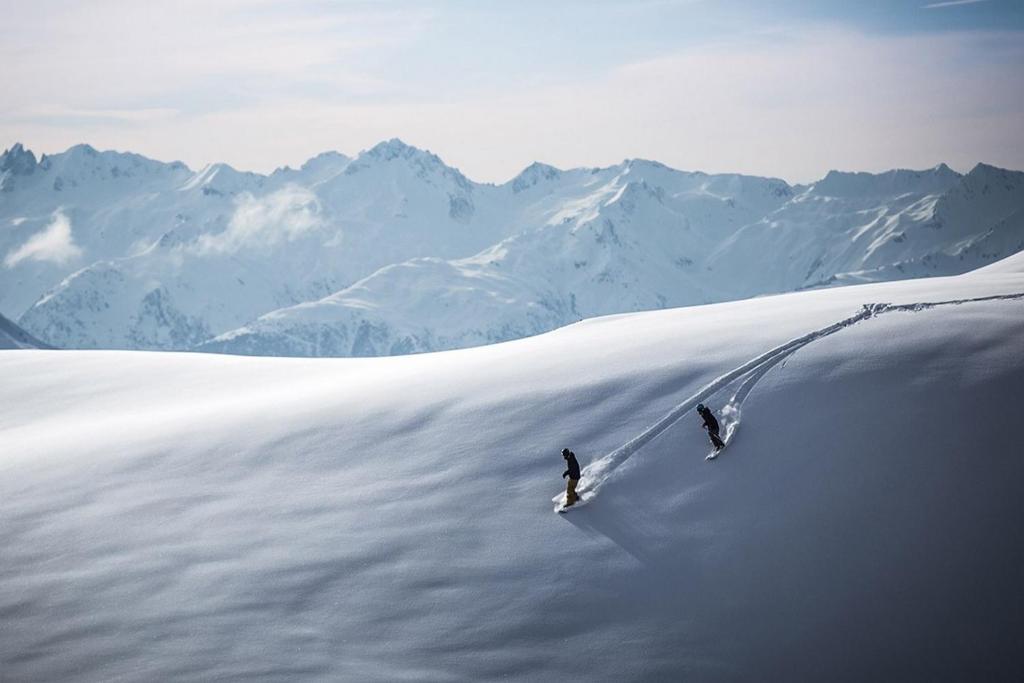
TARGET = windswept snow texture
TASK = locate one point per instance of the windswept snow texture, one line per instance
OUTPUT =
(205, 517)
(13, 337)
(745, 377)
(393, 251)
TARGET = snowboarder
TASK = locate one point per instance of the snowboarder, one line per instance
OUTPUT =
(573, 472)
(710, 424)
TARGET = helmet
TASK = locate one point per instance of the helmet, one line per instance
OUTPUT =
(565, 452)
(701, 407)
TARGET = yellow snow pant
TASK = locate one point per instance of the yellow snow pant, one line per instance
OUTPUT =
(570, 491)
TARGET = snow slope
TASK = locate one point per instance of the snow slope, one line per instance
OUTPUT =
(113, 250)
(189, 516)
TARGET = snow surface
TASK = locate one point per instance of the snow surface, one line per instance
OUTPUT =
(197, 517)
(393, 251)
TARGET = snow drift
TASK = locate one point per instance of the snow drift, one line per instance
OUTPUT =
(189, 516)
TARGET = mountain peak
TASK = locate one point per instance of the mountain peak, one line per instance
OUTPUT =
(899, 180)
(983, 169)
(423, 162)
(985, 176)
(220, 179)
(533, 174)
(540, 167)
(18, 160)
(82, 149)
(394, 149)
(643, 163)
(330, 157)
(316, 168)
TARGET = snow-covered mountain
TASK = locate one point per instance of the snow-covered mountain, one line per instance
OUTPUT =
(201, 517)
(640, 246)
(173, 264)
(394, 251)
(13, 337)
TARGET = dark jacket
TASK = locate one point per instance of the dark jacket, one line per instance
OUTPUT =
(574, 467)
(710, 423)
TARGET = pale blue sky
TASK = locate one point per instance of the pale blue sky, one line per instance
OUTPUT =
(784, 88)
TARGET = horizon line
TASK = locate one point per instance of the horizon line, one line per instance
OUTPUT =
(286, 167)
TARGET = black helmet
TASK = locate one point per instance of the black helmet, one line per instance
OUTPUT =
(565, 452)
(701, 407)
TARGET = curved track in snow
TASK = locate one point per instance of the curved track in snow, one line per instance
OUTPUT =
(599, 471)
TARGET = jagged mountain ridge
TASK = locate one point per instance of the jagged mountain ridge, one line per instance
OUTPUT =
(394, 251)
(218, 248)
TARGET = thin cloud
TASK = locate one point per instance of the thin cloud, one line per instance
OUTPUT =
(59, 115)
(263, 222)
(768, 98)
(860, 102)
(199, 56)
(53, 244)
(951, 3)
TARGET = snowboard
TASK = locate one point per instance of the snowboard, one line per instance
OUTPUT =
(562, 509)
(726, 440)
(716, 452)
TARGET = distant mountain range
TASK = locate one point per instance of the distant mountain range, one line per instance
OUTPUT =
(393, 251)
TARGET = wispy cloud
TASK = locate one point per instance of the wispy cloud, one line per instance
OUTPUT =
(699, 85)
(58, 115)
(53, 244)
(262, 222)
(951, 3)
(197, 55)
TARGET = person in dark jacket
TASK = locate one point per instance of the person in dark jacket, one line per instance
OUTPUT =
(573, 474)
(710, 424)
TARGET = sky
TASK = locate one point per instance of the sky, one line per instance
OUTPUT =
(788, 88)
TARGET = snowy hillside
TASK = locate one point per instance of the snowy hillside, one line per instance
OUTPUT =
(202, 517)
(394, 251)
(13, 337)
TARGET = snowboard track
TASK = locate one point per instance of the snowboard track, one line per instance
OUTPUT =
(597, 473)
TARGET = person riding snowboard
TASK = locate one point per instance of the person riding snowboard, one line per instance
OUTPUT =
(574, 477)
(710, 424)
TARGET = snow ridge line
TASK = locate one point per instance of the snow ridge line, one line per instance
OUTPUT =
(597, 472)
